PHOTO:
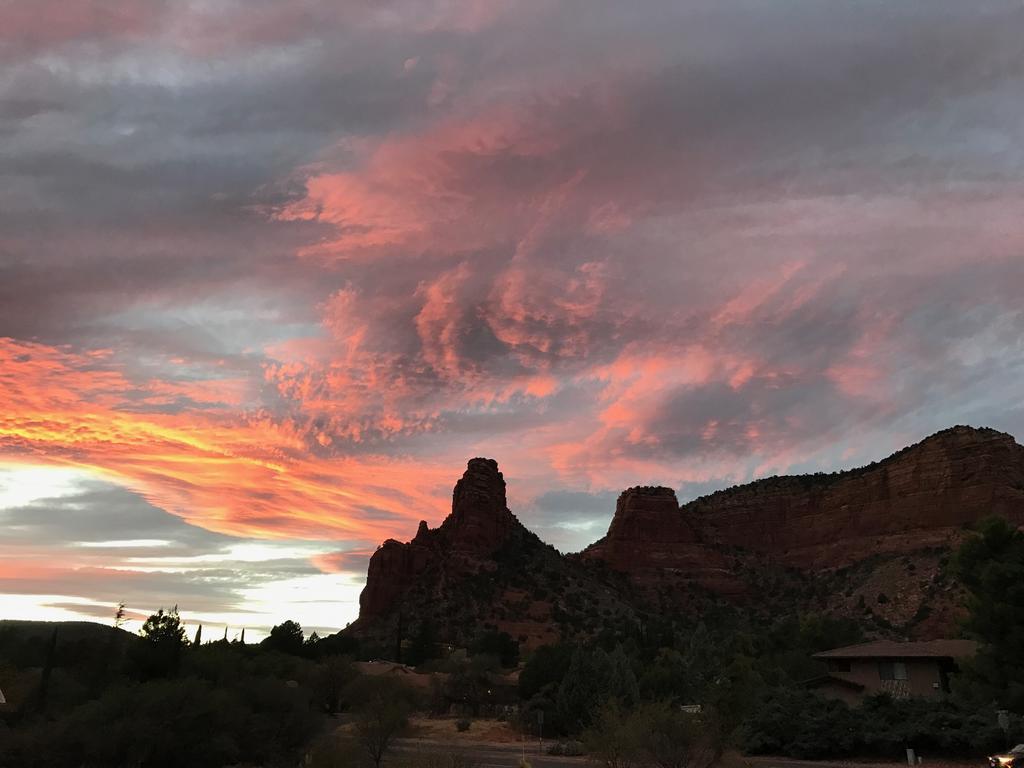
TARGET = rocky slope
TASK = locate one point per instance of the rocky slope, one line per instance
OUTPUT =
(482, 569)
(869, 543)
(660, 546)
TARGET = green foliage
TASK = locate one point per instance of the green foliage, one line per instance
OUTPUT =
(592, 678)
(169, 723)
(227, 704)
(467, 684)
(650, 734)
(424, 646)
(800, 724)
(616, 738)
(991, 567)
(335, 674)
(499, 644)
(675, 739)
(804, 725)
(544, 669)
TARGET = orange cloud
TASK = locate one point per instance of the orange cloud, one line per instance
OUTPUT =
(234, 472)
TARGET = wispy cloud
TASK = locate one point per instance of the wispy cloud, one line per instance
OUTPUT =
(279, 269)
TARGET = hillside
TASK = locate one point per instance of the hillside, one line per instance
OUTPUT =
(869, 543)
(482, 569)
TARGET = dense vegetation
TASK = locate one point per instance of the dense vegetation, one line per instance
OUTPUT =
(113, 699)
(672, 691)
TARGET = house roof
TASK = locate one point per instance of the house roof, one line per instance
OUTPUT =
(889, 649)
(376, 668)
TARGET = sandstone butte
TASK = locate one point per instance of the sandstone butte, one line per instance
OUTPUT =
(479, 524)
(920, 498)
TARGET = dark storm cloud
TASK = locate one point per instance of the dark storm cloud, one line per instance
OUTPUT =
(100, 512)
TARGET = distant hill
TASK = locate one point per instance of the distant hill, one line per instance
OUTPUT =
(68, 631)
(870, 543)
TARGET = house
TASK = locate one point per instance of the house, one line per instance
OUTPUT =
(884, 666)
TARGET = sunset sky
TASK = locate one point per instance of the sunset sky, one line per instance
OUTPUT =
(271, 272)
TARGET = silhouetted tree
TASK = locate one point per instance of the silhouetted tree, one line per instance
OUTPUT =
(164, 628)
(423, 646)
(499, 644)
(165, 636)
(378, 721)
(286, 637)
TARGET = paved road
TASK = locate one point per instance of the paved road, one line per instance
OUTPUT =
(494, 755)
(509, 755)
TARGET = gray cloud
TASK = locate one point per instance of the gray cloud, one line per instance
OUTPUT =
(100, 512)
(822, 200)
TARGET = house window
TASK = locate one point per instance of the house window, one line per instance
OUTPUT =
(892, 670)
(840, 665)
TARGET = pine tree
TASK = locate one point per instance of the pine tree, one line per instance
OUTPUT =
(199, 636)
(622, 683)
(991, 567)
(581, 690)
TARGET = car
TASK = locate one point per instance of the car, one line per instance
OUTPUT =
(1012, 759)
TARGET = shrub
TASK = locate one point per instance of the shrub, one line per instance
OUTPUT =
(463, 725)
(573, 749)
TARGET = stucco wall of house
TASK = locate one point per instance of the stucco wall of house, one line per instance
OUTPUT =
(924, 677)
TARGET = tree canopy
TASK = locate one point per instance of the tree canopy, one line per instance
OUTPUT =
(991, 567)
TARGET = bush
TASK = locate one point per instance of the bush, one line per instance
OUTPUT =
(463, 725)
(173, 722)
(803, 725)
(567, 749)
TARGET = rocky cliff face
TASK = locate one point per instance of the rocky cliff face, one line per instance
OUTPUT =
(659, 545)
(917, 498)
(867, 543)
(480, 522)
(481, 568)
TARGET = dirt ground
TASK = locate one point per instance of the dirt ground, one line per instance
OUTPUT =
(481, 731)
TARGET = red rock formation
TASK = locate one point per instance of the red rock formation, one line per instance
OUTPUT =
(917, 498)
(658, 545)
(480, 520)
(477, 526)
